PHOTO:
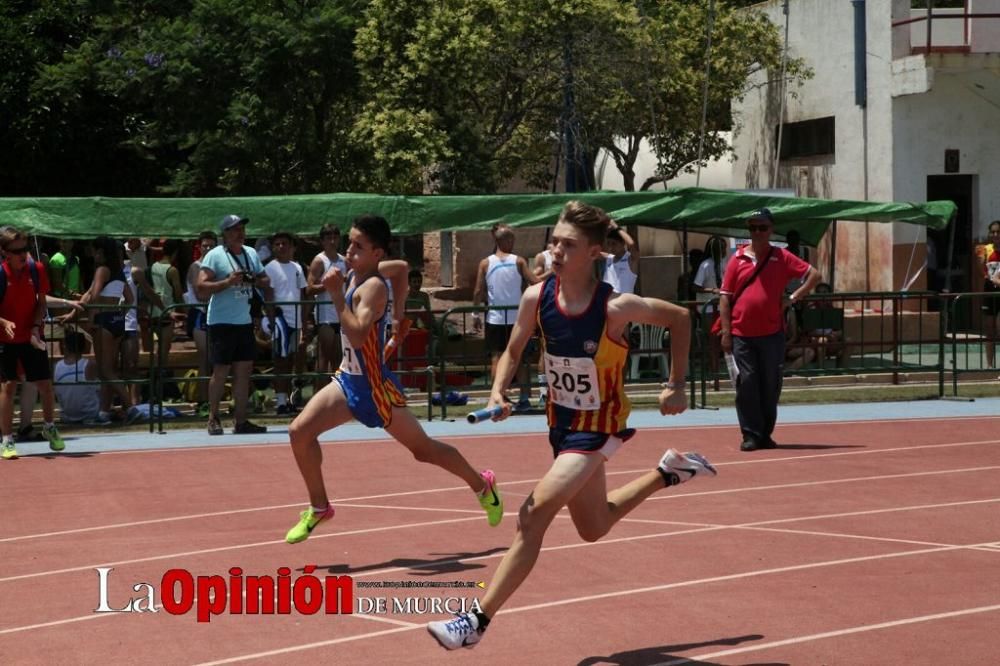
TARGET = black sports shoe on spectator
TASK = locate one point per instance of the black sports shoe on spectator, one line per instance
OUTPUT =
(248, 428)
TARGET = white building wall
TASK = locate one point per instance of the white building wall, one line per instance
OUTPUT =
(822, 32)
(948, 116)
(917, 107)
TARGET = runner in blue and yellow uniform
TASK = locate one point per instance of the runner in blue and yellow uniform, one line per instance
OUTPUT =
(582, 323)
(365, 388)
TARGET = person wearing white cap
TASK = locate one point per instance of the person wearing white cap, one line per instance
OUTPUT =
(230, 276)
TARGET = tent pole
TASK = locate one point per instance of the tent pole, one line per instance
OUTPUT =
(833, 256)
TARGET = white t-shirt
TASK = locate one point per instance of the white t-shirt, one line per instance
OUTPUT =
(705, 278)
(618, 273)
(547, 258)
(325, 312)
(503, 287)
(288, 281)
(79, 402)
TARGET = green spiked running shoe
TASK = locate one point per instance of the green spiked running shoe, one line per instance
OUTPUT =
(9, 452)
(308, 520)
(56, 442)
(490, 499)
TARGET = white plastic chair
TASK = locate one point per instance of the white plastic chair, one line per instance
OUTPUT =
(652, 345)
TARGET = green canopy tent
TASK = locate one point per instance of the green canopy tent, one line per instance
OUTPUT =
(701, 210)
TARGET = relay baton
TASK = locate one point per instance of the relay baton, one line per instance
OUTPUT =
(483, 414)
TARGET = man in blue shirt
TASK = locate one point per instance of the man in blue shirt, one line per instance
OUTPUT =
(230, 276)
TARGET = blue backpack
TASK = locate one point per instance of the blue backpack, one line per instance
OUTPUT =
(32, 269)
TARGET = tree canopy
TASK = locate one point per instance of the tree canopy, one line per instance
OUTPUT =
(246, 97)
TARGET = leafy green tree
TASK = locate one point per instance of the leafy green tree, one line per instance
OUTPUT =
(52, 144)
(224, 96)
(462, 96)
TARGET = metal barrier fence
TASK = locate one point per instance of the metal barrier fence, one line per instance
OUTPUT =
(159, 379)
(850, 333)
(841, 333)
(972, 334)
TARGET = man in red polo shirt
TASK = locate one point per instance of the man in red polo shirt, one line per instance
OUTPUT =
(752, 307)
(23, 306)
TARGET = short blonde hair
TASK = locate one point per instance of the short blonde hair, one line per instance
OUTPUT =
(591, 220)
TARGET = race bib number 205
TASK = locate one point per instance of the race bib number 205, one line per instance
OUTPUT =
(573, 382)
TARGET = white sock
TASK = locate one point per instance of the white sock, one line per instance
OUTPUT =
(8, 439)
(49, 425)
(317, 510)
(281, 398)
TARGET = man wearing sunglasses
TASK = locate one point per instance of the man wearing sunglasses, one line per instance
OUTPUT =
(751, 308)
(22, 312)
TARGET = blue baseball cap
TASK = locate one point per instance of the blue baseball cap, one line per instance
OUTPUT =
(230, 221)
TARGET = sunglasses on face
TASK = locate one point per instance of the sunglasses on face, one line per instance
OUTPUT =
(17, 250)
(759, 227)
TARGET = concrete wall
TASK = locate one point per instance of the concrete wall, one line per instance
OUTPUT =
(822, 32)
(917, 107)
(952, 114)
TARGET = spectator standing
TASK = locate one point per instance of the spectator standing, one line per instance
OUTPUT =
(165, 280)
(197, 320)
(708, 283)
(418, 302)
(752, 318)
(22, 312)
(499, 284)
(289, 284)
(543, 262)
(130, 342)
(229, 275)
(135, 253)
(64, 268)
(621, 261)
(110, 289)
(326, 318)
(686, 290)
(991, 285)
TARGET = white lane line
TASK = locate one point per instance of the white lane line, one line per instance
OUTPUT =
(831, 634)
(694, 529)
(159, 607)
(624, 593)
(308, 646)
(409, 493)
(154, 558)
(220, 549)
(215, 514)
(806, 484)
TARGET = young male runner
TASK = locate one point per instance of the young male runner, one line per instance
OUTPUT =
(364, 388)
(582, 323)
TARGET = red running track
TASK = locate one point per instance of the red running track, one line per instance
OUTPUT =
(855, 543)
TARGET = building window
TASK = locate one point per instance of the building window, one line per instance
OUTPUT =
(807, 138)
